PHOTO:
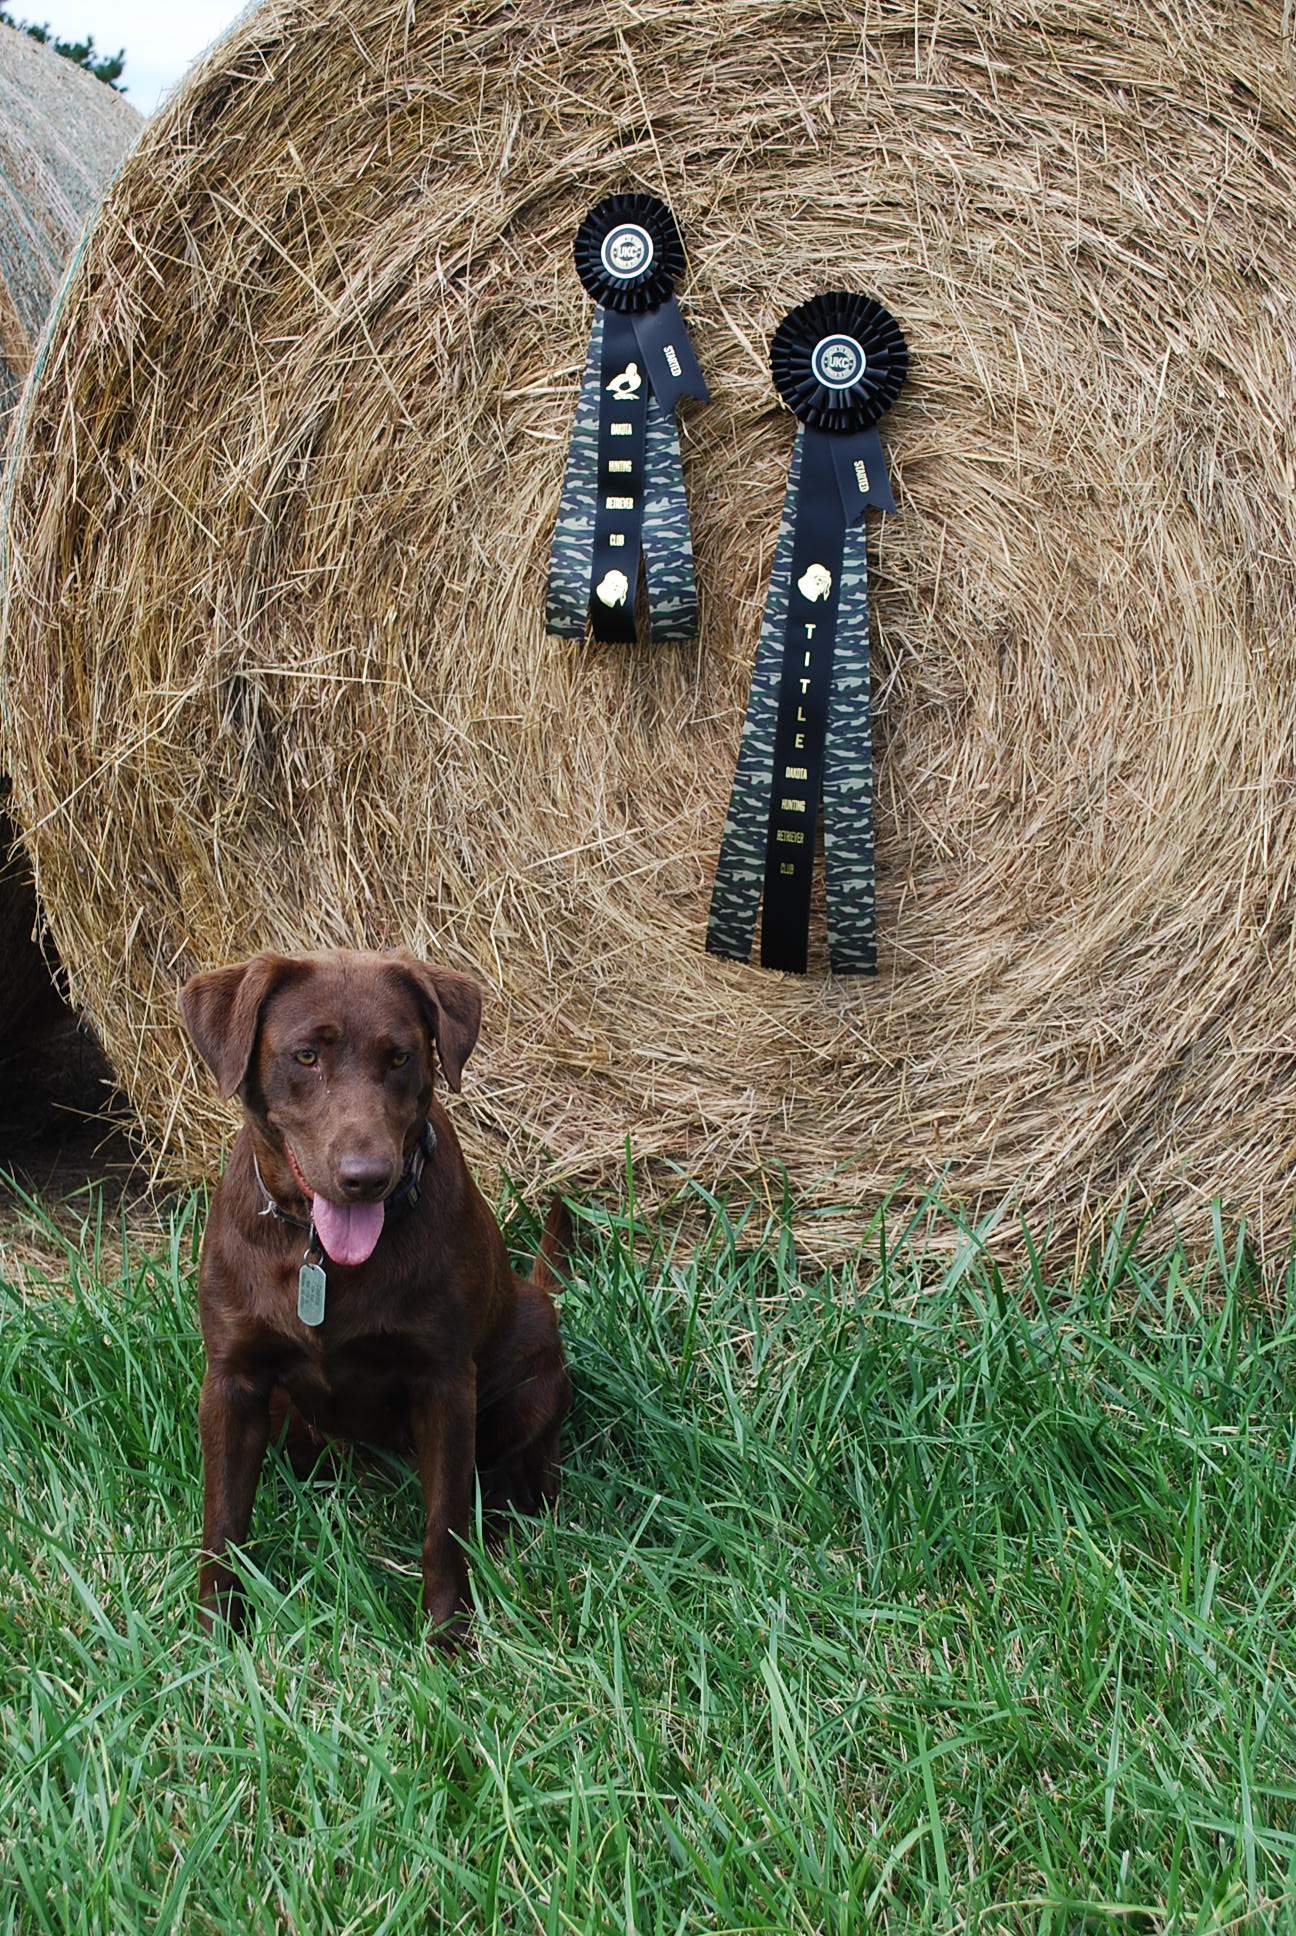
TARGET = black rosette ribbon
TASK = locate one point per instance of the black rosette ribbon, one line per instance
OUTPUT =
(839, 362)
(623, 493)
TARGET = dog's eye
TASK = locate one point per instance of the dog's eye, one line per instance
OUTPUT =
(400, 1058)
(307, 1057)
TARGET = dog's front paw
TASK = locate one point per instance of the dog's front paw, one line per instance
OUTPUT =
(222, 1612)
(445, 1606)
(448, 1635)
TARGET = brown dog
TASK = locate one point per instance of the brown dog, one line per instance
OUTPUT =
(353, 1281)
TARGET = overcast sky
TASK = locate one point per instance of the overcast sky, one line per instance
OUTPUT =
(161, 40)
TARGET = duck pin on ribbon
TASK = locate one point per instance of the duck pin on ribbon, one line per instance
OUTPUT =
(839, 361)
(623, 494)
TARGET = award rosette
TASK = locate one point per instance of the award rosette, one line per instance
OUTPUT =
(623, 493)
(839, 361)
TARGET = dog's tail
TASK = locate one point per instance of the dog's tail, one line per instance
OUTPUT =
(554, 1247)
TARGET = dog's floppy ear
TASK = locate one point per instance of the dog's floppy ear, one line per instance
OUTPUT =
(221, 1011)
(452, 1005)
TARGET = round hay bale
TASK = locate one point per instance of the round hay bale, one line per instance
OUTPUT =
(276, 663)
(61, 135)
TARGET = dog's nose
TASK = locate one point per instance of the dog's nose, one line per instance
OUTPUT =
(364, 1178)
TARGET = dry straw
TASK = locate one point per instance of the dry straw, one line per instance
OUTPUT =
(61, 135)
(276, 672)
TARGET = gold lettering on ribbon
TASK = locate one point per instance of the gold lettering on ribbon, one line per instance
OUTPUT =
(793, 806)
(616, 537)
(791, 839)
(620, 463)
(618, 503)
(622, 429)
(796, 773)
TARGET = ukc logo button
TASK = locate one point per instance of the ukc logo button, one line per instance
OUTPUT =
(627, 251)
(838, 362)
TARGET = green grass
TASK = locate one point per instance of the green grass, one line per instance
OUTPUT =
(905, 1598)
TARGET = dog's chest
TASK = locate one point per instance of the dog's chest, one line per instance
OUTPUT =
(352, 1382)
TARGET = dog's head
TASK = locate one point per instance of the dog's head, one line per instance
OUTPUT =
(332, 1056)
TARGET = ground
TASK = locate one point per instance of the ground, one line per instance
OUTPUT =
(927, 1593)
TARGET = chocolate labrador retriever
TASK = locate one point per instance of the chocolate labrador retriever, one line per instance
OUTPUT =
(353, 1282)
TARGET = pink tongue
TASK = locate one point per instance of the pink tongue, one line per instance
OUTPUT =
(348, 1231)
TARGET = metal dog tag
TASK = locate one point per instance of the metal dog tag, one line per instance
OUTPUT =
(311, 1285)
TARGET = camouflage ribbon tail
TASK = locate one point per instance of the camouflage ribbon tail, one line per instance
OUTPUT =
(667, 540)
(848, 775)
(807, 733)
(568, 595)
(740, 871)
(623, 492)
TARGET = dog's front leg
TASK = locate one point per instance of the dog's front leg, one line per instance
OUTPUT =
(443, 1414)
(234, 1425)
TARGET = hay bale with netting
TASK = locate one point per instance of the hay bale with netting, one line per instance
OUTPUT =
(276, 670)
(62, 133)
